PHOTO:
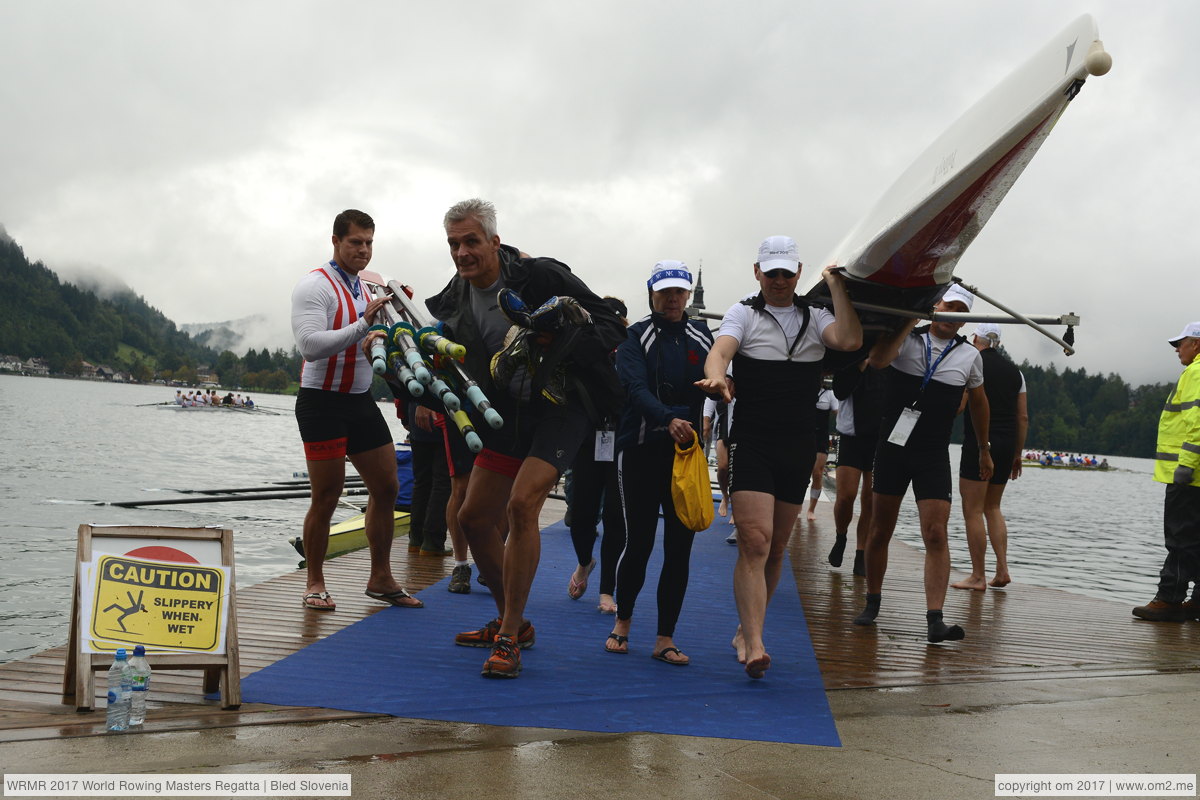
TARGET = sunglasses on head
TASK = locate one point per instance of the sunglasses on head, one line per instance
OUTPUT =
(779, 273)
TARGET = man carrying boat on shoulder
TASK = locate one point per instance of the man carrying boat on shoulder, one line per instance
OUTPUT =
(551, 395)
(1177, 464)
(776, 343)
(335, 412)
(928, 370)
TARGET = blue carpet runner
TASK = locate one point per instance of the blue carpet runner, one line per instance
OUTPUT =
(403, 662)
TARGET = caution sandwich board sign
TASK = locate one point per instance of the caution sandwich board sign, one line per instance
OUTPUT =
(168, 589)
(162, 605)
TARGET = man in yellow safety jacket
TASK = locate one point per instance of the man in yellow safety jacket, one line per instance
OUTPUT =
(1177, 464)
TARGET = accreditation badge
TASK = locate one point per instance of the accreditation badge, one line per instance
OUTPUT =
(904, 426)
(605, 445)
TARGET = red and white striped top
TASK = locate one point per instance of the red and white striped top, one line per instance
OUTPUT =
(328, 325)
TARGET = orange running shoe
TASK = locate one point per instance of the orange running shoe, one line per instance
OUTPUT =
(505, 660)
(486, 636)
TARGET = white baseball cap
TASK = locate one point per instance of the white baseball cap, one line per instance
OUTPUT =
(779, 252)
(988, 330)
(1190, 331)
(670, 275)
(957, 292)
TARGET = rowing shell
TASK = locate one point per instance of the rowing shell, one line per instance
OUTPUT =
(351, 534)
(902, 254)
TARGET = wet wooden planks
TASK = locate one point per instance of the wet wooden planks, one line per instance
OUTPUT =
(272, 625)
(1021, 633)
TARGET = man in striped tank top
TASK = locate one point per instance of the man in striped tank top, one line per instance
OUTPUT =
(335, 412)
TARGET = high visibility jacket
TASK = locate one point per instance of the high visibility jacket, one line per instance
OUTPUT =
(1179, 428)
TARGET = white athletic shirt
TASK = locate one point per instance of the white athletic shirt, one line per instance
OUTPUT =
(827, 401)
(328, 325)
(761, 338)
(962, 367)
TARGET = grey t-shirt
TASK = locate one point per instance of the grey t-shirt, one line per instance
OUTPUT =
(493, 325)
(493, 329)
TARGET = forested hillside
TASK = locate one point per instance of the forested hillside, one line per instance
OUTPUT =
(1077, 412)
(41, 316)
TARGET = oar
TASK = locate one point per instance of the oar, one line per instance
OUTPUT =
(221, 499)
(353, 481)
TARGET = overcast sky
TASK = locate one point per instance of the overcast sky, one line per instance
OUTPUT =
(200, 151)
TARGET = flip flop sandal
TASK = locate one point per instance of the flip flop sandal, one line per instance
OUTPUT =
(393, 598)
(621, 641)
(575, 589)
(308, 598)
(661, 655)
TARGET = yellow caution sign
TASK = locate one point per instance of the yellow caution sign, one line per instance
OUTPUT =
(158, 604)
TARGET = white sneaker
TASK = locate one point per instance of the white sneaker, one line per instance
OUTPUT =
(731, 538)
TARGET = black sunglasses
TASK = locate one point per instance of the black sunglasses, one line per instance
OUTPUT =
(780, 273)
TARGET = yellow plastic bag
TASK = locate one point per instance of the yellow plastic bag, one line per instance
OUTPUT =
(691, 490)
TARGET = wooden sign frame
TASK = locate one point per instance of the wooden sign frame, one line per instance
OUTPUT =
(221, 671)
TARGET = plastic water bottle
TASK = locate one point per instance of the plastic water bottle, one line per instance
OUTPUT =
(139, 670)
(119, 689)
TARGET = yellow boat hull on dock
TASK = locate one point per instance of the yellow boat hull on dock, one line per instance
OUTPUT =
(351, 534)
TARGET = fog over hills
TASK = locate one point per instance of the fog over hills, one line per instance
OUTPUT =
(256, 331)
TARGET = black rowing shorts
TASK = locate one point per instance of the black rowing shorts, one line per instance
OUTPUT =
(338, 424)
(857, 452)
(927, 470)
(1003, 453)
(779, 468)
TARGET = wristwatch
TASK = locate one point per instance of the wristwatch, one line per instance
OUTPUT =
(985, 446)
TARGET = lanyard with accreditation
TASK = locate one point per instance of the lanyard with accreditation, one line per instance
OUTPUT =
(909, 416)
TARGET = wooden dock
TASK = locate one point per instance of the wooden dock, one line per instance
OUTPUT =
(1023, 632)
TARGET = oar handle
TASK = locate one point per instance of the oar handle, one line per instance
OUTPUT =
(463, 423)
(414, 386)
(379, 350)
(434, 342)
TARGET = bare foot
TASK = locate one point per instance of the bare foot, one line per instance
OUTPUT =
(607, 604)
(739, 644)
(812, 517)
(723, 508)
(973, 582)
(1001, 580)
(758, 666)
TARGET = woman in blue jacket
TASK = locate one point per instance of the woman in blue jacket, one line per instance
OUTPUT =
(658, 364)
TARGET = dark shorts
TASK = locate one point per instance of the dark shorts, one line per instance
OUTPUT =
(1003, 453)
(927, 470)
(774, 467)
(543, 430)
(336, 424)
(857, 452)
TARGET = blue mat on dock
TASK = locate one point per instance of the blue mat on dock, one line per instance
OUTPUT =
(403, 662)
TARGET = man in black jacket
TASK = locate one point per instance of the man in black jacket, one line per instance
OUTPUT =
(544, 424)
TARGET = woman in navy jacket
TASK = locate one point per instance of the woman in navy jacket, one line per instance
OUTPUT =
(658, 364)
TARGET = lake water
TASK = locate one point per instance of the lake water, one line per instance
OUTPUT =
(68, 445)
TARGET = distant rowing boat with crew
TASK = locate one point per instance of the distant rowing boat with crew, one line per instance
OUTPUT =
(241, 409)
(169, 405)
(1059, 461)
